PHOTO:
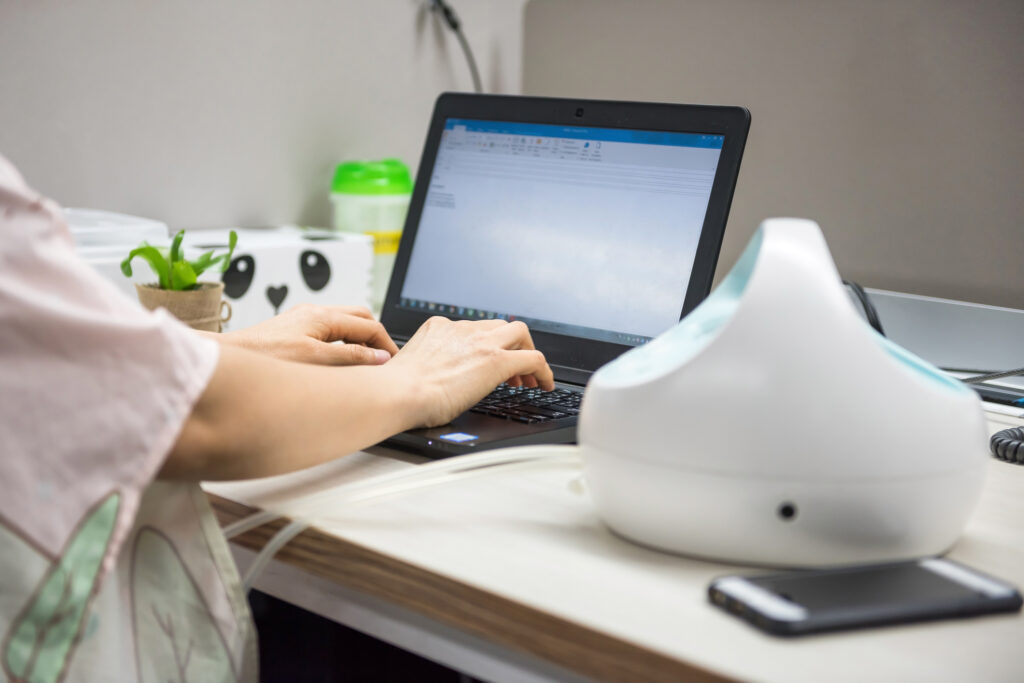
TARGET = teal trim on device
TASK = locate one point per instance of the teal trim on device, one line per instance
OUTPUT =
(921, 366)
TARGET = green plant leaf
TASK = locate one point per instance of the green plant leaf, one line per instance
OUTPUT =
(202, 263)
(232, 242)
(176, 247)
(41, 640)
(207, 260)
(156, 261)
(225, 259)
(182, 276)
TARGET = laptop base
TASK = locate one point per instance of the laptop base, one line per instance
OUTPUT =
(471, 432)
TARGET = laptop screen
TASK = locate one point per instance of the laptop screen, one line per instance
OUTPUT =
(576, 230)
(597, 223)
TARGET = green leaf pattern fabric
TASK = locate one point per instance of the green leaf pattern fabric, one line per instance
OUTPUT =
(41, 637)
(63, 619)
(176, 638)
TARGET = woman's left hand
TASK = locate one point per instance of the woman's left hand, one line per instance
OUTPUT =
(307, 334)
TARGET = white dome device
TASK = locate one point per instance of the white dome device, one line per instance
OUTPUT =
(773, 426)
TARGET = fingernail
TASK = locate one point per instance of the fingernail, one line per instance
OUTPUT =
(381, 356)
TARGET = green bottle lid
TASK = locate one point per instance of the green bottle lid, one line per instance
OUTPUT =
(389, 176)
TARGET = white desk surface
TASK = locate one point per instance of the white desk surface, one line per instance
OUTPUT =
(529, 538)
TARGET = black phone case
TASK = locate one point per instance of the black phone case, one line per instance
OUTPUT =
(854, 618)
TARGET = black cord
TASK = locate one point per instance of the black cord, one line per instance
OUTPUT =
(1008, 445)
(997, 393)
(967, 371)
(994, 393)
(865, 303)
(455, 25)
(979, 376)
(994, 375)
(984, 375)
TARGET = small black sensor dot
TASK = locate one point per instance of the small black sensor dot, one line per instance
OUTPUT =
(787, 511)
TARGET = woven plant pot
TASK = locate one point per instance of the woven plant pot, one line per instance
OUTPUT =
(202, 308)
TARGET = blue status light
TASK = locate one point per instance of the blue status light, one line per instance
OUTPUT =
(459, 437)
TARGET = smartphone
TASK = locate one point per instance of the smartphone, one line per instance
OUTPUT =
(810, 601)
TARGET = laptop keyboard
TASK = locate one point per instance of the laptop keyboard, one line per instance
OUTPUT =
(521, 404)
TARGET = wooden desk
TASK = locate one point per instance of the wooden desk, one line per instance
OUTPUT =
(522, 562)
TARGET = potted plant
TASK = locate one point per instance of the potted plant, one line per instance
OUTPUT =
(197, 304)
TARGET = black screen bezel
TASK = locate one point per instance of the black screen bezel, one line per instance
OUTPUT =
(564, 352)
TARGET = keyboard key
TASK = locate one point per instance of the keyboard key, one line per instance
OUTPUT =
(522, 404)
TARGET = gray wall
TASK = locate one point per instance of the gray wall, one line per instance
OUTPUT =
(894, 123)
(208, 113)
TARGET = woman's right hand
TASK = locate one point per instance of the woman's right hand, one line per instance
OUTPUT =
(452, 365)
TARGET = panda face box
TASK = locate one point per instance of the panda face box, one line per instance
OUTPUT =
(314, 267)
(274, 270)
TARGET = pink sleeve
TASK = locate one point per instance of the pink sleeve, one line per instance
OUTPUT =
(93, 389)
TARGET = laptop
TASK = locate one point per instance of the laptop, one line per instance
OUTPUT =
(597, 223)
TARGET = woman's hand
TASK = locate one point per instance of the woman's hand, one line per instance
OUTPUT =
(452, 365)
(306, 334)
(260, 416)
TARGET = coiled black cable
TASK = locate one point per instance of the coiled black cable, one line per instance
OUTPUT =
(1008, 445)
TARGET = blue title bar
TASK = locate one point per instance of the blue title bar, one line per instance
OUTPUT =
(647, 137)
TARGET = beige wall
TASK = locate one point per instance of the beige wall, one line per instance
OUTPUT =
(224, 112)
(897, 124)
(894, 123)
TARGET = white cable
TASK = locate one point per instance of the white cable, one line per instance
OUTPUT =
(279, 540)
(454, 464)
(438, 471)
(239, 527)
(394, 489)
(375, 488)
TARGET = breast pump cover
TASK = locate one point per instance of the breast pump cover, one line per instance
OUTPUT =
(773, 426)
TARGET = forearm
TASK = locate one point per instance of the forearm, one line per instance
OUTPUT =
(261, 416)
